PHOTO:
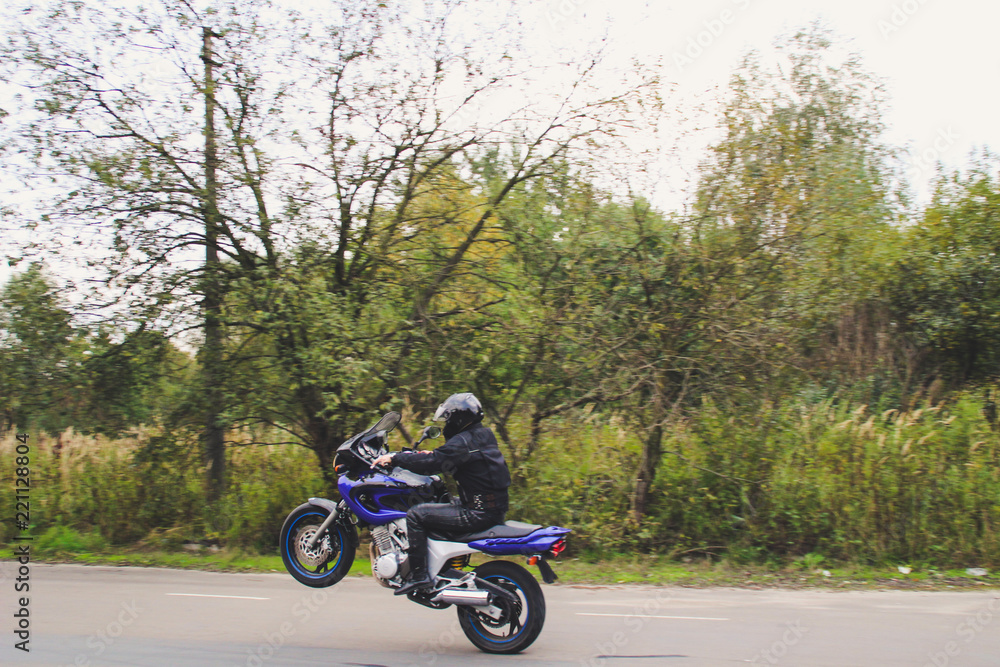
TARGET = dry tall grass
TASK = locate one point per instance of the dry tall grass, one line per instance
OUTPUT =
(149, 487)
(842, 481)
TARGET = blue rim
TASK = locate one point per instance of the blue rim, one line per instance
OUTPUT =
(291, 551)
(476, 623)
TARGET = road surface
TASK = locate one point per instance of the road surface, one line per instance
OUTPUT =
(87, 615)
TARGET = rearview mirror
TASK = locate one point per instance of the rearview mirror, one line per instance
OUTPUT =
(430, 432)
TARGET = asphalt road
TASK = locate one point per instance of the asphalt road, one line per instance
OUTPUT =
(82, 616)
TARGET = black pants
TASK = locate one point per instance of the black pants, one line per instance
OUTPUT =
(445, 518)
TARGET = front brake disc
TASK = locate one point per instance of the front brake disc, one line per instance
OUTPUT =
(316, 556)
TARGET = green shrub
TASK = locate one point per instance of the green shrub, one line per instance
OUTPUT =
(63, 541)
(804, 481)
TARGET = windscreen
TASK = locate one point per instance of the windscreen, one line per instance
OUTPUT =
(388, 422)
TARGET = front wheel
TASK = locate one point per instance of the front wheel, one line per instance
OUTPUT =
(329, 560)
(518, 623)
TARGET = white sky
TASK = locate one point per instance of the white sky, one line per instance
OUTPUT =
(940, 61)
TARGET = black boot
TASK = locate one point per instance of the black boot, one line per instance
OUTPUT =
(417, 556)
(418, 579)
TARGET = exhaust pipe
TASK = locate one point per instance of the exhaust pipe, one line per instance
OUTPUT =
(464, 597)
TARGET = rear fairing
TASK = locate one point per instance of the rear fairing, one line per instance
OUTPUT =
(537, 542)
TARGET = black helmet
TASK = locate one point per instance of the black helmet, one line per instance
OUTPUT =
(459, 411)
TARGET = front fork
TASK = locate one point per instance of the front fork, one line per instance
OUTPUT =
(334, 512)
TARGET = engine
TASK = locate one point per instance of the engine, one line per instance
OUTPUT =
(388, 552)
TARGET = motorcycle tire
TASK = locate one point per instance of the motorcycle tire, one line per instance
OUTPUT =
(520, 622)
(329, 560)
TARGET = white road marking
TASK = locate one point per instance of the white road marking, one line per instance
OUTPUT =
(202, 595)
(639, 602)
(679, 618)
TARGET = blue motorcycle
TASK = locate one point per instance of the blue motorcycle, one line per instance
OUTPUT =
(500, 605)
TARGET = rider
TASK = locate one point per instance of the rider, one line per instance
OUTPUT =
(470, 453)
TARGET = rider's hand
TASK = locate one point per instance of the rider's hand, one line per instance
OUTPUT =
(382, 461)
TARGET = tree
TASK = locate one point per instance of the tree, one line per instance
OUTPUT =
(41, 352)
(133, 378)
(778, 241)
(132, 171)
(544, 359)
(945, 290)
(346, 217)
(58, 374)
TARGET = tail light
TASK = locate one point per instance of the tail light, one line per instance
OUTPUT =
(558, 548)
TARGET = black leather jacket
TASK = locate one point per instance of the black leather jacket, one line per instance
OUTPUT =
(473, 458)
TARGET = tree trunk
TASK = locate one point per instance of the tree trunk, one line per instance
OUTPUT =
(211, 352)
(325, 453)
(325, 445)
(652, 450)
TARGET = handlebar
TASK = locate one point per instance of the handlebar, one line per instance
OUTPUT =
(362, 449)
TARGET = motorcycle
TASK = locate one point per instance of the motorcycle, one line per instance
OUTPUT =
(500, 605)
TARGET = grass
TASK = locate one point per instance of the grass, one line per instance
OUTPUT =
(616, 571)
(793, 489)
(658, 571)
(225, 560)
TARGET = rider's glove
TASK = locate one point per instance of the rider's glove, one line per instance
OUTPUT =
(384, 460)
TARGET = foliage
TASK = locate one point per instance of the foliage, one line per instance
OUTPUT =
(798, 480)
(834, 480)
(57, 374)
(41, 353)
(335, 252)
(946, 289)
(787, 367)
(149, 489)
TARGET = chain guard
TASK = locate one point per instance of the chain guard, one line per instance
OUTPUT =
(508, 610)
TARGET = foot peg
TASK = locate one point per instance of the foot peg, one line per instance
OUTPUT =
(413, 586)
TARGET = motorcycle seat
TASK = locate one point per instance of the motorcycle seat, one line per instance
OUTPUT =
(506, 529)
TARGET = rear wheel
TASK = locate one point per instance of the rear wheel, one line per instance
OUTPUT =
(518, 623)
(323, 564)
